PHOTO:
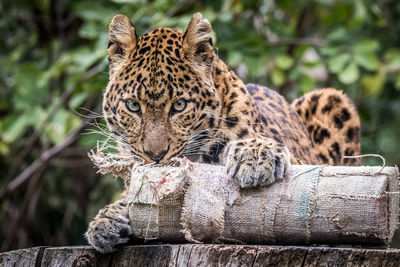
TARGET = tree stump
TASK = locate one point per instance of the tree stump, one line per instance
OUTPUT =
(202, 255)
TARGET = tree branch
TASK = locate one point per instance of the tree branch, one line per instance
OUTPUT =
(50, 115)
(181, 5)
(43, 159)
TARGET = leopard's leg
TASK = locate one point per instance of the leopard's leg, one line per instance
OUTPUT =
(333, 123)
(110, 227)
(256, 161)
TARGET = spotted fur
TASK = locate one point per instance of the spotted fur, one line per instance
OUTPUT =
(169, 95)
(333, 125)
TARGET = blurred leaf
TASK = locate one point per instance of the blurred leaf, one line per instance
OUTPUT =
(373, 84)
(4, 149)
(13, 127)
(360, 15)
(77, 100)
(311, 64)
(91, 31)
(331, 50)
(392, 58)
(360, 10)
(388, 140)
(278, 77)
(116, 196)
(29, 92)
(367, 60)
(129, 1)
(93, 11)
(366, 46)
(284, 62)
(337, 34)
(337, 63)
(253, 65)
(299, 50)
(234, 58)
(62, 124)
(397, 82)
(307, 84)
(81, 59)
(349, 74)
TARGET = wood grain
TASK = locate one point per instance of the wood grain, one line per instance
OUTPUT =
(202, 255)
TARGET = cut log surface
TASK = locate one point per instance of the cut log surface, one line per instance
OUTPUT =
(22, 257)
(202, 255)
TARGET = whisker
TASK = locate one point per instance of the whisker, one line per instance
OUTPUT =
(91, 114)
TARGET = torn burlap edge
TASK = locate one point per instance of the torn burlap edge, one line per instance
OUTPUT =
(188, 226)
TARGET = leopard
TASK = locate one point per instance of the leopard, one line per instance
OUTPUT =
(169, 95)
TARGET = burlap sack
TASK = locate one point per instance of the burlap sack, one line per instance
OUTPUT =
(312, 205)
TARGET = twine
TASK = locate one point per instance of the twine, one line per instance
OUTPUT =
(368, 155)
(120, 164)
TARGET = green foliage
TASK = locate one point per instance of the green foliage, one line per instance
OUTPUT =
(53, 67)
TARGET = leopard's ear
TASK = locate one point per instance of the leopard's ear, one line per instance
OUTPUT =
(197, 40)
(122, 40)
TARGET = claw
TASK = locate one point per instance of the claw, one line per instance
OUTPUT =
(257, 162)
(279, 168)
(124, 232)
(106, 233)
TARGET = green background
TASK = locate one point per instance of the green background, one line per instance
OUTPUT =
(53, 71)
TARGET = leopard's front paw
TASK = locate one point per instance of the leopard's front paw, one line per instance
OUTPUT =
(257, 161)
(108, 230)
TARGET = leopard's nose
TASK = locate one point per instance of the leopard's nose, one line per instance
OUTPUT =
(156, 157)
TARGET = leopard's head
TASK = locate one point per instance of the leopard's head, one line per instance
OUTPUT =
(161, 90)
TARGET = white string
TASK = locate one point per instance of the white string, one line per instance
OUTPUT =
(368, 155)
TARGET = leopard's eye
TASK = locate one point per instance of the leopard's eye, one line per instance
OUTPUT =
(132, 106)
(179, 105)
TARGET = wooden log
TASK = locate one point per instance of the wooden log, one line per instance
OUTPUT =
(202, 255)
(74, 256)
(22, 257)
(336, 205)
